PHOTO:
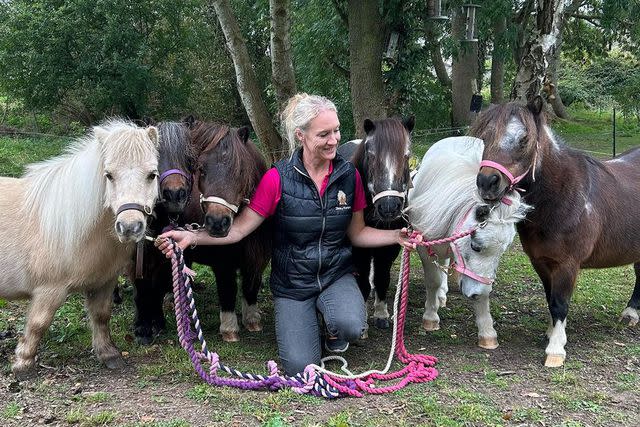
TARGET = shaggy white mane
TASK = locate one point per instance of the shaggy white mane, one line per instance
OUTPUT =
(445, 188)
(66, 194)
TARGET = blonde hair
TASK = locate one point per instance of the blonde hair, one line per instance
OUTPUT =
(300, 110)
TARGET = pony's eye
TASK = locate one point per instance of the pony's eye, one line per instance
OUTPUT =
(475, 246)
(152, 176)
(108, 176)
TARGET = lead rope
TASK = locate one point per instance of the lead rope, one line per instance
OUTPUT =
(315, 379)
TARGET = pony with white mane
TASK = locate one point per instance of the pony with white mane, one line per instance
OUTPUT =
(75, 220)
(444, 202)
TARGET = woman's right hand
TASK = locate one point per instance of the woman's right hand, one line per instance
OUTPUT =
(183, 239)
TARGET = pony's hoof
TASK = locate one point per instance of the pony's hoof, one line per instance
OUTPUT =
(365, 334)
(488, 343)
(24, 372)
(442, 302)
(430, 325)
(144, 340)
(554, 360)
(114, 362)
(381, 323)
(629, 316)
(254, 326)
(230, 337)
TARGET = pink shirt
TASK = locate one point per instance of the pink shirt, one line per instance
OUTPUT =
(265, 200)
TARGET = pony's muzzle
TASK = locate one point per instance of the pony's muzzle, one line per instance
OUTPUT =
(218, 226)
(175, 199)
(130, 232)
(490, 186)
(389, 208)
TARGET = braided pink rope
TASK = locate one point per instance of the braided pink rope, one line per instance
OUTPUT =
(419, 367)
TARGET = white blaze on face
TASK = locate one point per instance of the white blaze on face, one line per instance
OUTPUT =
(513, 134)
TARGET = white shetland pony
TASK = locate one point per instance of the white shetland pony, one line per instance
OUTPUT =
(70, 225)
(444, 202)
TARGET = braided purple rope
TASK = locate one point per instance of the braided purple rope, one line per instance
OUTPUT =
(418, 368)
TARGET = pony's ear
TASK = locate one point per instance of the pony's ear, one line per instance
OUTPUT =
(482, 212)
(190, 121)
(409, 123)
(368, 126)
(152, 131)
(148, 121)
(535, 105)
(243, 134)
(100, 133)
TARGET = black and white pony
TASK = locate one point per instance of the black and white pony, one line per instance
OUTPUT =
(382, 161)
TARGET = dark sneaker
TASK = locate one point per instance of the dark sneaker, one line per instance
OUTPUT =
(335, 345)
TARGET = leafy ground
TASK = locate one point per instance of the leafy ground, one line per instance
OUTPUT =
(598, 386)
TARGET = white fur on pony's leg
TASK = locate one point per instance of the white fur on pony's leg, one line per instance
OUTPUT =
(251, 318)
(229, 328)
(487, 335)
(555, 349)
(630, 316)
(44, 304)
(433, 279)
(380, 313)
(98, 304)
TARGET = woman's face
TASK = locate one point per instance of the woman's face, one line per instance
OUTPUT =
(321, 138)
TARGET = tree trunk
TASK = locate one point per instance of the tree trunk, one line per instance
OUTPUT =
(284, 80)
(552, 70)
(554, 96)
(435, 51)
(247, 82)
(366, 42)
(497, 62)
(532, 75)
(463, 74)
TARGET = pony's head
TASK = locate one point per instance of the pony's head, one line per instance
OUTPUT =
(476, 257)
(383, 158)
(175, 165)
(514, 136)
(227, 172)
(130, 168)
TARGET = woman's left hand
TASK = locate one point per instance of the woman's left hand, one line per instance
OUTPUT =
(406, 241)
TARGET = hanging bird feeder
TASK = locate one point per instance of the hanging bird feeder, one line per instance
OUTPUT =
(470, 29)
(434, 10)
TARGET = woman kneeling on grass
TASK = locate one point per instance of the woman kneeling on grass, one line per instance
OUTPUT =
(317, 201)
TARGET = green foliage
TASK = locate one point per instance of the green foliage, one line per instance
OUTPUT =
(93, 58)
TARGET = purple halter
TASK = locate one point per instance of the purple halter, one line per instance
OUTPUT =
(165, 174)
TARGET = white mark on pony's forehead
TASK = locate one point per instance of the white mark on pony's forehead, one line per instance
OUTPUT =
(513, 133)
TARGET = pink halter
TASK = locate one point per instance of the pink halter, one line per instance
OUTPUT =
(458, 263)
(512, 180)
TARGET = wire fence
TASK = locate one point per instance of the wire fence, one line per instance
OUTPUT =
(14, 156)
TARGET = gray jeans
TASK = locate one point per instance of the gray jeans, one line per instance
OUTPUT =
(297, 329)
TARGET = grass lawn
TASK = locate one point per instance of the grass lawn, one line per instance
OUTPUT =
(598, 385)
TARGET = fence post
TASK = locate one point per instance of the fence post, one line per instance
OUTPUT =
(614, 132)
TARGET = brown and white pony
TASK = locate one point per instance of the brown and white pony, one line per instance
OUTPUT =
(228, 170)
(74, 221)
(584, 210)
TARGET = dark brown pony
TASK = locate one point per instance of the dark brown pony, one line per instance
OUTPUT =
(382, 161)
(228, 170)
(152, 277)
(585, 211)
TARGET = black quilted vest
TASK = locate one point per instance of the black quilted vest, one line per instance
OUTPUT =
(311, 248)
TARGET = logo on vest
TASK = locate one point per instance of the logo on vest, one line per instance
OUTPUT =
(342, 198)
(342, 201)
